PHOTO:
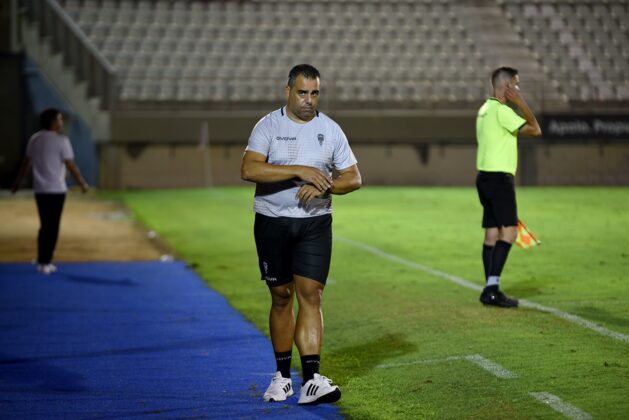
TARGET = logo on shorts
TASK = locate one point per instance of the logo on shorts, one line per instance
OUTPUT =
(265, 267)
(320, 138)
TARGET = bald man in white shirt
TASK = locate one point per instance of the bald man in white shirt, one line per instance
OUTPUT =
(291, 156)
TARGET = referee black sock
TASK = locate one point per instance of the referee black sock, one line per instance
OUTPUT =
(282, 360)
(487, 251)
(498, 260)
(310, 366)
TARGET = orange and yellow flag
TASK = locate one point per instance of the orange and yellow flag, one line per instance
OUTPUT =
(525, 238)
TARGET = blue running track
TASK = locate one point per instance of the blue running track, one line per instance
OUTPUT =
(131, 340)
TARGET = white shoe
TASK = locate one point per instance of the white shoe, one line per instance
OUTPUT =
(46, 268)
(319, 390)
(280, 388)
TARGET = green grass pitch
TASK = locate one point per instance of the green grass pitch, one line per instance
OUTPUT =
(379, 312)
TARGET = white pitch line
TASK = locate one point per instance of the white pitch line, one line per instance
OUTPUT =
(492, 367)
(560, 406)
(468, 284)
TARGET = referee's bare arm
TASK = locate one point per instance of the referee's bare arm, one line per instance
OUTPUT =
(349, 179)
(254, 168)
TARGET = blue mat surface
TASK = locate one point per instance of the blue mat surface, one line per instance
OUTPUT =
(131, 340)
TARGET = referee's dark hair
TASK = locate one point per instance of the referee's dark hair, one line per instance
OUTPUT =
(502, 71)
(306, 70)
(47, 117)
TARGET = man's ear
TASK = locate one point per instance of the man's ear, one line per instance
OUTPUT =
(287, 91)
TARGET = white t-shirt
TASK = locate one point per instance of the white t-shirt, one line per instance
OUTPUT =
(319, 143)
(48, 151)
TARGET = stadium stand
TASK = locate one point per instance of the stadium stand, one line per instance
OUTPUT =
(403, 77)
(215, 51)
(370, 51)
(584, 42)
(399, 53)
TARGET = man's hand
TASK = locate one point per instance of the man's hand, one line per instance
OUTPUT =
(84, 187)
(513, 95)
(315, 177)
(307, 192)
(531, 128)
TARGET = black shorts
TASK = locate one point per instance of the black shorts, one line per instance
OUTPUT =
(290, 246)
(496, 191)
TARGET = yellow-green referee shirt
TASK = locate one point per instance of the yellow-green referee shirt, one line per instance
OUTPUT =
(497, 128)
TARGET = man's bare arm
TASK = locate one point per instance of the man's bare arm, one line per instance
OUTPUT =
(254, 168)
(24, 167)
(349, 180)
(77, 175)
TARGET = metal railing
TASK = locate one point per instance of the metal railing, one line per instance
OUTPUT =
(77, 50)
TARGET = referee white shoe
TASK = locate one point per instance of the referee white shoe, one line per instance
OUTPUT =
(319, 390)
(280, 388)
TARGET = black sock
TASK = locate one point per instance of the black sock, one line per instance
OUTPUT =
(310, 366)
(487, 251)
(282, 360)
(499, 258)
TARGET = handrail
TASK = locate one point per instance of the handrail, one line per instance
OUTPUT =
(78, 52)
(78, 32)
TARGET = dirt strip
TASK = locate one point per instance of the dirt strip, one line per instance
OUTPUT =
(92, 229)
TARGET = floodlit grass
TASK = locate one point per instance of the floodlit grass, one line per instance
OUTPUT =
(379, 312)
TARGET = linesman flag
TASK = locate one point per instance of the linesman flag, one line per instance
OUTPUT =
(525, 238)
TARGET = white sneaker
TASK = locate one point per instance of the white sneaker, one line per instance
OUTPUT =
(319, 390)
(46, 268)
(280, 388)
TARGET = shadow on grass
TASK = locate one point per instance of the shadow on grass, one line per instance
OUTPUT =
(359, 359)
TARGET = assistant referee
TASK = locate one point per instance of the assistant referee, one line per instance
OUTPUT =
(290, 156)
(497, 128)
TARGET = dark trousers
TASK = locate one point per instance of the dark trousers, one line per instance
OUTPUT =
(49, 207)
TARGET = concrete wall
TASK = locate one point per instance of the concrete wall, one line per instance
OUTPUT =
(174, 166)
(168, 166)
(235, 127)
(159, 149)
(583, 164)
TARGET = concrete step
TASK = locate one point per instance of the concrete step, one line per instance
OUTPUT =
(62, 77)
(501, 45)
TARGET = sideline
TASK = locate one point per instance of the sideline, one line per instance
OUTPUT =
(469, 285)
(560, 406)
(553, 401)
(490, 366)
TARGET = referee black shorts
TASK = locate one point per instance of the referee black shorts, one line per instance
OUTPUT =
(496, 191)
(290, 246)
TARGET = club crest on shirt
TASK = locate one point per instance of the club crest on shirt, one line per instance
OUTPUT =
(320, 138)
